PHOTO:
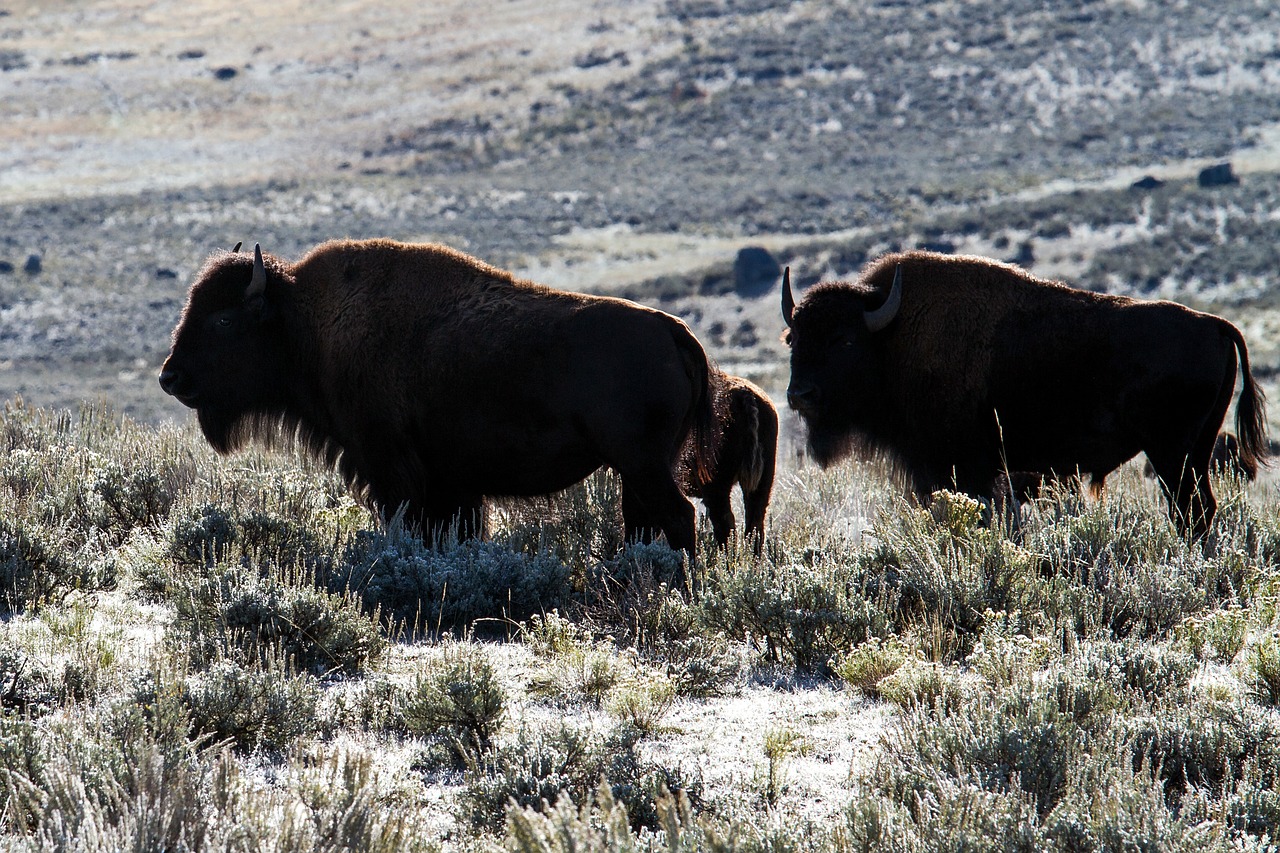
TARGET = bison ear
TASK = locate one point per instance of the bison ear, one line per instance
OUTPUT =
(788, 301)
(883, 316)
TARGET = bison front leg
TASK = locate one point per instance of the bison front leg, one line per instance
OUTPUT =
(439, 521)
(652, 502)
(463, 519)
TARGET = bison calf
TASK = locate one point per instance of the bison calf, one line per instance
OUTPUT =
(746, 458)
(961, 368)
(432, 380)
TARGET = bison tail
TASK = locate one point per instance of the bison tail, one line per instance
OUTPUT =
(1251, 414)
(705, 433)
(702, 442)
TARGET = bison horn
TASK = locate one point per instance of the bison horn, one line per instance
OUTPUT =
(883, 316)
(788, 301)
(257, 284)
(236, 250)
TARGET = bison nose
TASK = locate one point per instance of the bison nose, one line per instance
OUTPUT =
(803, 399)
(175, 384)
(169, 380)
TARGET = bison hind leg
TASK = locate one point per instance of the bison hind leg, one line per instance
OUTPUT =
(720, 512)
(1185, 483)
(1182, 466)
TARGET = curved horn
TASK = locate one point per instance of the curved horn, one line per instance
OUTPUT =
(257, 284)
(236, 250)
(788, 301)
(883, 316)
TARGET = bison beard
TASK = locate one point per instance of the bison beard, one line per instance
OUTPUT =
(829, 445)
(963, 369)
(432, 381)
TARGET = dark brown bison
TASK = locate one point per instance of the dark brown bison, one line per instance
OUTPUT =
(746, 458)
(432, 380)
(961, 368)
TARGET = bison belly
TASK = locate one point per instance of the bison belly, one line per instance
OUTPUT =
(541, 432)
(1147, 378)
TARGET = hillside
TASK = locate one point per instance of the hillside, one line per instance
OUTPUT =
(637, 150)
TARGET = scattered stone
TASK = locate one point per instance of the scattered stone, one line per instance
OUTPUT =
(97, 56)
(165, 272)
(598, 57)
(755, 271)
(1147, 182)
(745, 335)
(686, 91)
(12, 60)
(33, 265)
(1220, 175)
(226, 72)
(194, 53)
(1025, 257)
(6, 267)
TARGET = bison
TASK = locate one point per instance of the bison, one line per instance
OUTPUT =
(1226, 461)
(965, 369)
(746, 458)
(432, 380)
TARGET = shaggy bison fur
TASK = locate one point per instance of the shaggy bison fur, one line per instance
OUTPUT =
(433, 380)
(962, 369)
(746, 458)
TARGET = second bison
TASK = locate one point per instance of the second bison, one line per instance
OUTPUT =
(746, 459)
(433, 380)
(965, 370)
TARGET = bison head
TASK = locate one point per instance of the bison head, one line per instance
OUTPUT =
(835, 335)
(227, 352)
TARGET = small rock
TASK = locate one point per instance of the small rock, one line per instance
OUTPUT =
(193, 53)
(1147, 182)
(33, 265)
(1220, 175)
(165, 272)
(6, 267)
(755, 271)
(745, 335)
(1025, 257)
(226, 72)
